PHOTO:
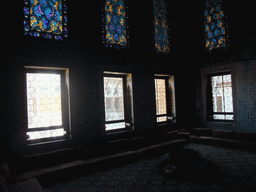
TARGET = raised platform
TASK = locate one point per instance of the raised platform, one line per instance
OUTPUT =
(23, 170)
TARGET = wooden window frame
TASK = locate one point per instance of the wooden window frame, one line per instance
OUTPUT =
(171, 114)
(209, 101)
(65, 105)
(128, 117)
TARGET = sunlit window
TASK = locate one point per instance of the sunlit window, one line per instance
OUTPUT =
(47, 106)
(222, 98)
(165, 99)
(118, 101)
(161, 107)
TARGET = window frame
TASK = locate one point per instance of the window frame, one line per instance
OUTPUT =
(127, 105)
(209, 97)
(65, 105)
(171, 114)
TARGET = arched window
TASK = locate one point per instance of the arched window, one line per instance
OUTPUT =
(45, 18)
(160, 27)
(215, 25)
(115, 25)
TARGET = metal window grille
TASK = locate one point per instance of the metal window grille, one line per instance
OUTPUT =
(47, 105)
(222, 98)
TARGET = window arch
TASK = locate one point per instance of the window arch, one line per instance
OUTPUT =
(45, 18)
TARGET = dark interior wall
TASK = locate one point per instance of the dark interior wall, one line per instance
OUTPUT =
(240, 59)
(87, 57)
(244, 90)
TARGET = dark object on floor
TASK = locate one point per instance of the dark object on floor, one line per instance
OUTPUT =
(183, 164)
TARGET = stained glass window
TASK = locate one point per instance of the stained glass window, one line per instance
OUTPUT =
(160, 27)
(115, 25)
(215, 25)
(45, 18)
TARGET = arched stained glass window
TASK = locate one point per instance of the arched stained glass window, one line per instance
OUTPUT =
(115, 24)
(215, 25)
(160, 27)
(45, 18)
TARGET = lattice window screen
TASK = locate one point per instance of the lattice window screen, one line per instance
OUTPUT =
(114, 101)
(44, 104)
(161, 108)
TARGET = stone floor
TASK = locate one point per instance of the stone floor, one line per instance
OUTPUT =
(239, 167)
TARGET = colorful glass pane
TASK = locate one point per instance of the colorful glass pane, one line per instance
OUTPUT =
(214, 25)
(115, 22)
(45, 18)
(160, 26)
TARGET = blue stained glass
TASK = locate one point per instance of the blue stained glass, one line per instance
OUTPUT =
(205, 13)
(207, 28)
(161, 28)
(222, 31)
(218, 8)
(210, 34)
(214, 41)
(214, 17)
(115, 22)
(213, 26)
(219, 23)
(45, 17)
(216, 32)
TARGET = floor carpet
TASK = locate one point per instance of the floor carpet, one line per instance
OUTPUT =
(239, 169)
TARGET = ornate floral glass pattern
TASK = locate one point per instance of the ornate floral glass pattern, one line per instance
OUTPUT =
(114, 102)
(215, 35)
(115, 25)
(161, 108)
(46, 18)
(160, 27)
(222, 97)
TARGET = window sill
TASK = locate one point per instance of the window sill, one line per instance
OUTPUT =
(47, 142)
(119, 131)
(221, 121)
(165, 124)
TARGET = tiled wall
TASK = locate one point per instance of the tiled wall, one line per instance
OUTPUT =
(244, 96)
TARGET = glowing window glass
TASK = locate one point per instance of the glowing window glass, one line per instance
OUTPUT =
(222, 97)
(161, 109)
(114, 101)
(47, 104)
(44, 100)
